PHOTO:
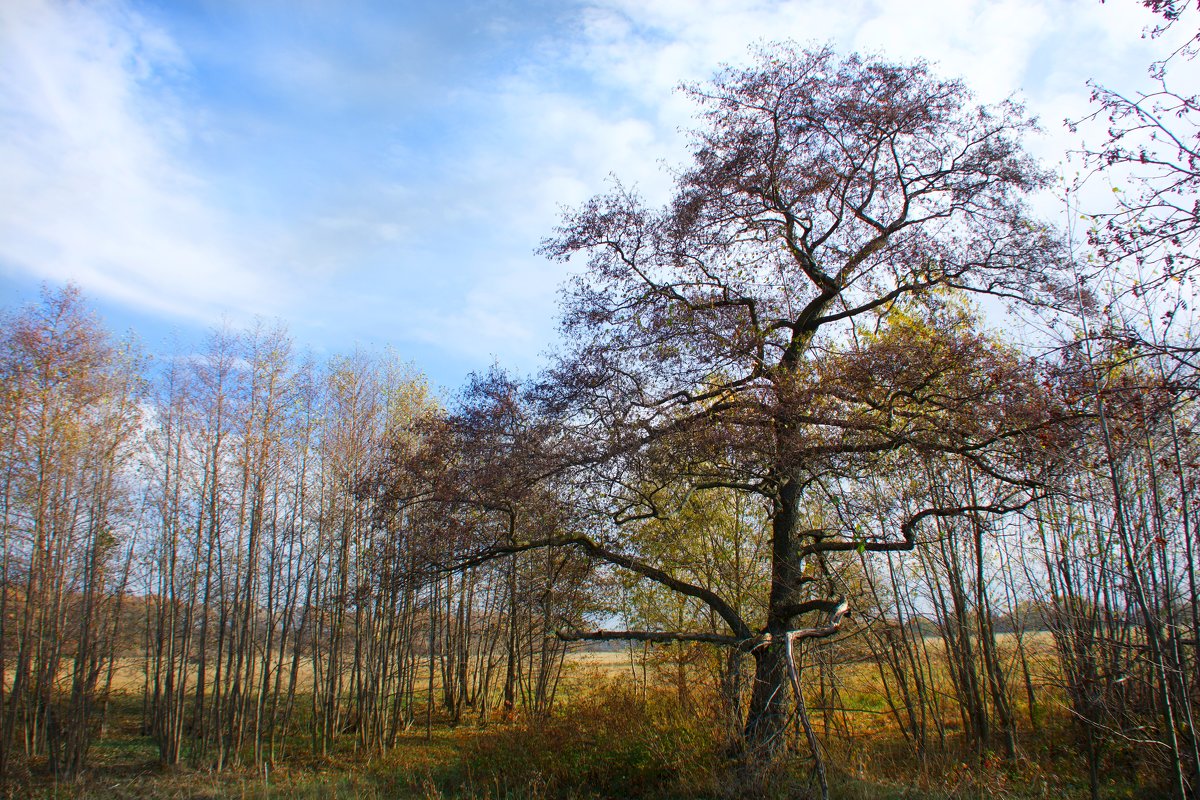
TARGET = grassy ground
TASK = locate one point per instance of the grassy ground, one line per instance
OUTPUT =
(613, 735)
(606, 745)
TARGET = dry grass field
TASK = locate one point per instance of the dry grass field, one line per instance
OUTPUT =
(619, 730)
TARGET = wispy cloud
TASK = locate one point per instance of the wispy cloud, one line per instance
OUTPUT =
(94, 189)
(383, 172)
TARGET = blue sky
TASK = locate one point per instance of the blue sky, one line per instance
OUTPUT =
(378, 174)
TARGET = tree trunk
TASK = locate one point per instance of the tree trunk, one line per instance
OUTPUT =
(767, 716)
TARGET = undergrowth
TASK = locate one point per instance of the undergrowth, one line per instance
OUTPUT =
(607, 742)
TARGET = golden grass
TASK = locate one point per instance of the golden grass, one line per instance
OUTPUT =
(129, 674)
(598, 726)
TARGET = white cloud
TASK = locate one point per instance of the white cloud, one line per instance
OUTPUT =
(355, 185)
(494, 318)
(94, 189)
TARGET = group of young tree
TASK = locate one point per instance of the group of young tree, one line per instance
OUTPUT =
(778, 436)
(207, 536)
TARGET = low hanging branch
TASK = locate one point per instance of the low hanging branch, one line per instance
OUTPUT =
(741, 631)
(908, 530)
(657, 637)
(838, 607)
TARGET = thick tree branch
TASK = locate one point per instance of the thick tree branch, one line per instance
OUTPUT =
(908, 529)
(736, 624)
(659, 637)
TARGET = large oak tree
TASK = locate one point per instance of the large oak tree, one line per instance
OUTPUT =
(746, 335)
